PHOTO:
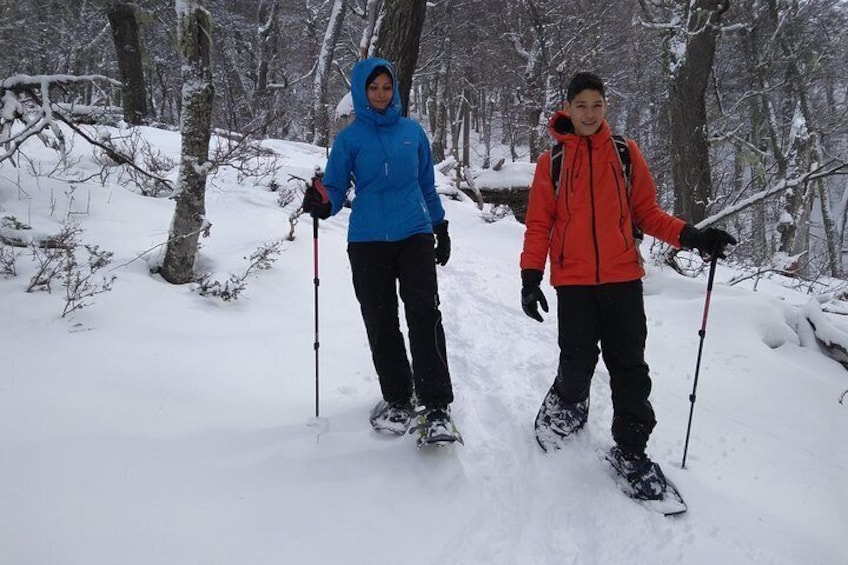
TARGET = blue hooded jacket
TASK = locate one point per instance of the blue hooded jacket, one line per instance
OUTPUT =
(388, 158)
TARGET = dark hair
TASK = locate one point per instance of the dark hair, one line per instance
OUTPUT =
(378, 70)
(584, 81)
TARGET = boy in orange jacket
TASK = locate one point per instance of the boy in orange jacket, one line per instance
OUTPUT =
(586, 229)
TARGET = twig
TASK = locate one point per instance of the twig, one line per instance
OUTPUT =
(116, 156)
(166, 242)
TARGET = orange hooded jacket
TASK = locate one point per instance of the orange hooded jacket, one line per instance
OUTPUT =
(587, 231)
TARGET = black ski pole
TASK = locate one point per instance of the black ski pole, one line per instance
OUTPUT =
(315, 282)
(702, 332)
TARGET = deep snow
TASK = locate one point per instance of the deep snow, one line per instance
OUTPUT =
(160, 427)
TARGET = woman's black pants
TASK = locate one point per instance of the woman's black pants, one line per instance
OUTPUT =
(379, 270)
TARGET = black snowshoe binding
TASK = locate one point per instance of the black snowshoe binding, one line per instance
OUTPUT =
(557, 420)
(391, 418)
(642, 480)
(435, 427)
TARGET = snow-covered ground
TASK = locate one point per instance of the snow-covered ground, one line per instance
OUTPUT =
(160, 427)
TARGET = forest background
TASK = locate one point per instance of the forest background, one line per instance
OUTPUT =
(739, 106)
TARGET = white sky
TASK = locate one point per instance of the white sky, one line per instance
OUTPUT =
(159, 427)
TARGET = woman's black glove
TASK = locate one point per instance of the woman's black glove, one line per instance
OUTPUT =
(531, 294)
(316, 201)
(443, 245)
(710, 242)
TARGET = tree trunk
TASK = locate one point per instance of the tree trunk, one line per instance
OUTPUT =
(128, 51)
(398, 41)
(690, 73)
(466, 128)
(194, 25)
(486, 116)
(320, 111)
(441, 112)
(267, 36)
(372, 9)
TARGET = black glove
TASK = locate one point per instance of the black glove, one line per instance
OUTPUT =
(710, 242)
(531, 294)
(316, 201)
(443, 246)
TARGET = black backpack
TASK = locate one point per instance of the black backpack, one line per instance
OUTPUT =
(623, 153)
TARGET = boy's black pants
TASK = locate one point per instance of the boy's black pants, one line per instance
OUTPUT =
(377, 269)
(614, 315)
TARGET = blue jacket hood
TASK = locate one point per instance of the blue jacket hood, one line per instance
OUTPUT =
(361, 108)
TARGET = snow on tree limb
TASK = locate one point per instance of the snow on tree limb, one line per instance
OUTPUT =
(828, 335)
(22, 82)
(26, 99)
(819, 171)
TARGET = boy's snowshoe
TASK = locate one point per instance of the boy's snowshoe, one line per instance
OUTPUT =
(642, 480)
(557, 420)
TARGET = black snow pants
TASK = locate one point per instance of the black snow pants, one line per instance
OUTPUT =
(614, 315)
(378, 268)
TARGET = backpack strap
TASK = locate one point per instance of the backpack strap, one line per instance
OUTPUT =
(556, 166)
(623, 154)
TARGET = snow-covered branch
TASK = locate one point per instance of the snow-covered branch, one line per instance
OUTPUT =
(815, 173)
(26, 99)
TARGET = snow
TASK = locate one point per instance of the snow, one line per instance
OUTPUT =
(345, 106)
(511, 175)
(157, 426)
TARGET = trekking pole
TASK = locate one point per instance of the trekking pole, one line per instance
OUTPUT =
(702, 332)
(321, 424)
(315, 282)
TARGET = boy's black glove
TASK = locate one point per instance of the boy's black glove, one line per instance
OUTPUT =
(531, 294)
(710, 242)
(316, 201)
(443, 245)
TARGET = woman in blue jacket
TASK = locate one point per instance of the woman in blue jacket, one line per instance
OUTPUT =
(394, 216)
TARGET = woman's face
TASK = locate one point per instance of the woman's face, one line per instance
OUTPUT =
(379, 92)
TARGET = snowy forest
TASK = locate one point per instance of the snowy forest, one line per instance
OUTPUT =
(160, 394)
(740, 106)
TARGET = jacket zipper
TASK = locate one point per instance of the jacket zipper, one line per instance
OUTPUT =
(569, 190)
(567, 178)
(622, 217)
(594, 222)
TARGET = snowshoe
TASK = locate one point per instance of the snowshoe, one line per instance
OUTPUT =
(391, 417)
(557, 420)
(642, 480)
(435, 427)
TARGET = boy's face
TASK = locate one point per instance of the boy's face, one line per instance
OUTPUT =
(587, 111)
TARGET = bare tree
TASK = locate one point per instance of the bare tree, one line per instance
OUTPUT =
(194, 24)
(690, 50)
(320, 112)
(398, 40)
(371, 14)
(122, 21)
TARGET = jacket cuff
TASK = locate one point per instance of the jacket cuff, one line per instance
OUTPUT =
(688, 236)
(531, 277)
